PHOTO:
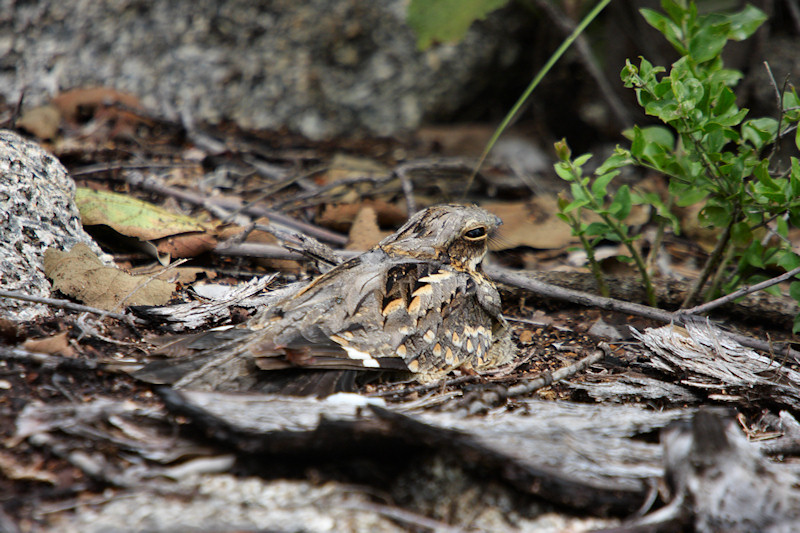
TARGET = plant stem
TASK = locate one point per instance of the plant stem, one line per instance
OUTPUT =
(597, 272)
(716, 281)
(710, 265)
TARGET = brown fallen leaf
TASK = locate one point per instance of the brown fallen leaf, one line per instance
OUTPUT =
(365, 232)
(186, 245)
(76, 102)
(57, 344)
(80, 274)
(533, 223)
(43, 121)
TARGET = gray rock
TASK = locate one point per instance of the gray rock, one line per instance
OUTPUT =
(36, 211)
(319, 67)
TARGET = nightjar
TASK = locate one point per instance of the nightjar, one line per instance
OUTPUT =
(417, 302)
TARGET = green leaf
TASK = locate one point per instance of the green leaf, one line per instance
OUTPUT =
(130, 216)
(742, 234)
(446, 20)
(581, 160)
(797, 138)
(691, 196)
(668, 28)
(598, 229)
(744, 23)
(759, 131)
(794, 292)
(796, 325)
(564, 171)
(578, 193)
(675, 10)
(620, 208)
(708, 42)
(717, 215)
(621, 158)
(601, 184)
(753, 255)
(788, 260)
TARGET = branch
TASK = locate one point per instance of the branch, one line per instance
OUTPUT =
(713, 304)
(590, 300)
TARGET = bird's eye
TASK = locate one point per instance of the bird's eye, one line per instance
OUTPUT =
(475, 234)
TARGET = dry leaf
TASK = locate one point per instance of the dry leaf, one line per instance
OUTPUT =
(80, 274)
(532, 223)
(43, 122)
(57, 344)
(364, 233)
(187, 245)
(75, 102)
(130, 216)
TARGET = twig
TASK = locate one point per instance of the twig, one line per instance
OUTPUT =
(548, 378)
(66, 304)
(153, 185)
(406, 517)
(269, 251)
(425, 387)
(270, 191)
(708, 306)
(298, 242)
(408, 189)
(779, 103)
(794, 11)
(108, 167)
(711, 264)
(590, 300)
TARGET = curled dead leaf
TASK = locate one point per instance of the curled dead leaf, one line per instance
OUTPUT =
(80, 274)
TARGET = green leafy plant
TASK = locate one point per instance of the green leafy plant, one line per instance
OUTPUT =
(709, 150)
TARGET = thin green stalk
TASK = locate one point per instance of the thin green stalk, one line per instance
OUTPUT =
(597, 272)
(535, 83)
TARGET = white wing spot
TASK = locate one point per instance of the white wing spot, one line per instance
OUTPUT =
(366, 359)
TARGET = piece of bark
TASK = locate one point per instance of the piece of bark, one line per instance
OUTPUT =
(709, 361)
(720, 482)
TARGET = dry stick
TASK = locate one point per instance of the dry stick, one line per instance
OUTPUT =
(548, 378)
(776, 146)
(794, 11)
(270, 251)
(66, 304)
(104, 167)
(590, 300)
(407, 517)
(425, 387)
(408, 189)
(302, 243)
(711, 264)
(153, 185)
(704, 308)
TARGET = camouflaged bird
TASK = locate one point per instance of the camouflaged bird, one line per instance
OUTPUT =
(417, 302)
